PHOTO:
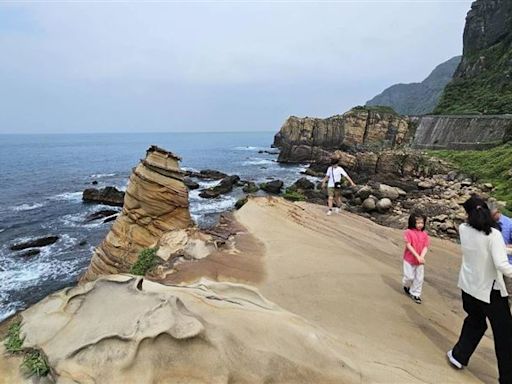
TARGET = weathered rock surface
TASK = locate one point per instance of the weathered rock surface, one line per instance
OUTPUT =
(191, 184)
(107, 196)
(35, 243)
(156, 201)
(312, 139)
(202, 333)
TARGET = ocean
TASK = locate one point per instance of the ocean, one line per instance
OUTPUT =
(43, 177)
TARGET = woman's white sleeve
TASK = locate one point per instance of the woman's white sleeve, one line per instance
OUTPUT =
(499, 254)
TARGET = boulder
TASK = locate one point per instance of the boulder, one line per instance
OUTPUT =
(384, 205)
(303, 183)
(108, 196)
(208, 174)
(364, 192)
(35, 243)
(426, 185)
(191, 184)
(30, 253)
(369, 204)
(273, 187)
(391, 193)
(225, 186)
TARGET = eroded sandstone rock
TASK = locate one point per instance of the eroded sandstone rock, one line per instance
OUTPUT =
(156, 201)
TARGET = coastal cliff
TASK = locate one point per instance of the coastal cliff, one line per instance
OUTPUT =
(155, 202)
(482, 82)
(313, 139)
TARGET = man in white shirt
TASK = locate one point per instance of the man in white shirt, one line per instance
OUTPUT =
(333, 179)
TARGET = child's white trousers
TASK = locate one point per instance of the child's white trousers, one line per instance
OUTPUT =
(413, 278)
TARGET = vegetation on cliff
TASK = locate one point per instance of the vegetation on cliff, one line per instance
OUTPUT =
(482, 82)
(493, 166)
(145, 262)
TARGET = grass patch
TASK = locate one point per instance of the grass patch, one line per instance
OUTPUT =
(489, 166)
(145, 262)
(35, 363)
(13, 342)
(293, 195)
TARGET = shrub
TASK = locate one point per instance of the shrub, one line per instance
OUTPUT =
(35, 363)
(145, 262)
(14, 343)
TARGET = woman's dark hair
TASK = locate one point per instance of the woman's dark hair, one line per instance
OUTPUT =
(414, 216)
(334, 161)
(479, 215)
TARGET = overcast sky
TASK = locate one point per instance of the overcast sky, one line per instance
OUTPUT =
(210, 66)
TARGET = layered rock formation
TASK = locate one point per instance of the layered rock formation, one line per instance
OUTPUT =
(462, 132)
(482, 82)
(155, 202)
(312, 139)
(418, 98)
(125, 329)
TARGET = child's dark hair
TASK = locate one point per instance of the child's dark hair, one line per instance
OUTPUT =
(334, 160)
(413, 217)
(479, 215)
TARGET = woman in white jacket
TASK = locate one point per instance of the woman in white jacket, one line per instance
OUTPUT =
(484, 296)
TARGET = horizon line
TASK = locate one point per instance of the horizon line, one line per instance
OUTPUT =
(108, 133)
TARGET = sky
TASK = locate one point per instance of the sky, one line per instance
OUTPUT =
(165, 66)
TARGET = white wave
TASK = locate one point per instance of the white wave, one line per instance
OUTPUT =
(101, 175)
(250, 148)
(26, 207)
(68, 196)
(9, 308)
(258, 162)
(204, 207)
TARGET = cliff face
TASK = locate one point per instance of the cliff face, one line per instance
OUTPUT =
(312, 139)
(482, 82)
(156, 201)
(418, 98)
(462, 132)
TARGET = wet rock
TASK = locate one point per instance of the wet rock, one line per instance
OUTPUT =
(225, 186)
(95, 182)
(82, 243)
(30, 253)
(241, 202)
(191, 184)
(108, 196)
(302, 184)
(209, 174)
(35, 243)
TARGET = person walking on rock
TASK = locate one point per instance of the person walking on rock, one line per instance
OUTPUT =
(416, 247)
(333, 178)
(484, 296)
(505, 226)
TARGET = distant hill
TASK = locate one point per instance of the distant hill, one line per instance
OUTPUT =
(418, 98)
(483, 81)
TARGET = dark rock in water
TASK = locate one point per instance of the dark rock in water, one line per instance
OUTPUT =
(250, 187)
(82, 243)
(95, 182)
(273, 186)
(209, 174)
(191, 184)
(100, 214)
(108, 196)
(225, 186)
(40, 242)
(269, 152)
(30, 253)
(302, 184)
(241, 202)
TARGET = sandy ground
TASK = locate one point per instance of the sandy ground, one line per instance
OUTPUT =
(343, 273)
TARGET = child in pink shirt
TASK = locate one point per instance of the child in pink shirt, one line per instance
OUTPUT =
(416, 247)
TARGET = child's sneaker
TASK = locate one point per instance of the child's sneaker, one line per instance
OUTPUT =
(407, 290)
(336, 210)
(329, 212)
(453, 361)
(416, 299)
